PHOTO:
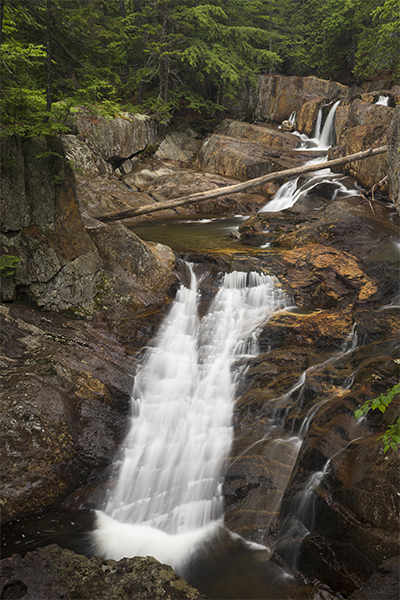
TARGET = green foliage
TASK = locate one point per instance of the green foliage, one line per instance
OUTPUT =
(379, 46)
(391, 438)
(160, 56)
(8, 265)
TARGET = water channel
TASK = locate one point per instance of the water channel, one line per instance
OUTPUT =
(168, 499)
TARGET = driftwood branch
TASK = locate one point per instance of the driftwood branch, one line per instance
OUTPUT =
(239, 187)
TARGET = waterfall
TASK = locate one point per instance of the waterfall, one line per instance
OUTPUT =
(327, 135)
(317, 129)
(169, 479)
(301, 519)
(290, 192)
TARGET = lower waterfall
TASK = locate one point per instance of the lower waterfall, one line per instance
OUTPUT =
(168, 492)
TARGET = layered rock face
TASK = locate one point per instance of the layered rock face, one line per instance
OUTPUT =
(98, 145)
(277, 97)
(41, 225)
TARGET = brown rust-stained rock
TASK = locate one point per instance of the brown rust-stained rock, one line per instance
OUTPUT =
(53, 573)
(356, 504)
(307, 116)
(323, 263)
(240, 159)
(358, 126)
(278, 96)
(258, 134)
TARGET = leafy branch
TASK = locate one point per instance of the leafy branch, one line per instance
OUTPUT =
(391, 438)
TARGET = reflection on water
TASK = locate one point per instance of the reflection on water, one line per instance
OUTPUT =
(206, 233)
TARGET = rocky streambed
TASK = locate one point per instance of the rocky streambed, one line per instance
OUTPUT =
(87, 298)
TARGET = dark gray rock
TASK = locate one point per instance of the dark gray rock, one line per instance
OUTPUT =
(394, 158)
(59, 265)
(52, 573)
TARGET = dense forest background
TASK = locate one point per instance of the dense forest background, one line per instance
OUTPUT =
(160, 56)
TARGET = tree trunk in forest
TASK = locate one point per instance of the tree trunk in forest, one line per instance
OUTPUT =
(1, 19)
(239, 187)
(49, 66)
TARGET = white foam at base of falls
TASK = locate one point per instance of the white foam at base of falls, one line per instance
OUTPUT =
(117, 540)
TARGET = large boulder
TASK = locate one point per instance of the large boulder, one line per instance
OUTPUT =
(140, 274)
(246, 151)
(179, 147)
(360, 126)
(258, 134)
(394, 158)
(53, 573)
(100, 145)
(65, 397)
(59, 266)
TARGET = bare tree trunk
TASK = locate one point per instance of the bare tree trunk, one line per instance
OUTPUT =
(239, 187)
(49, 65)
(1, 19)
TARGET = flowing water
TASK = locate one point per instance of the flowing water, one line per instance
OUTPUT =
(383, 100)
(168, 495)
(165, 497)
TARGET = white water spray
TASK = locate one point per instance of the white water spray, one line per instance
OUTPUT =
(168, 493)
(383, 101)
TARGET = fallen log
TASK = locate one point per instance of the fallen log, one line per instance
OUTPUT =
(239, 187)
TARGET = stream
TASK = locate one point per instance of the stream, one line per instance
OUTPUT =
(168, 500)
(167, 490)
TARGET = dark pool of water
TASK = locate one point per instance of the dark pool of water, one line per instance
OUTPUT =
(223, 567)
(202, 233)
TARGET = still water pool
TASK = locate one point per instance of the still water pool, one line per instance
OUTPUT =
(202, 233)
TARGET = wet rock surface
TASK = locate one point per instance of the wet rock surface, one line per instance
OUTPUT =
(394, 159)
(68, 380)
(359, 126)
(65, 398)
(53, 573)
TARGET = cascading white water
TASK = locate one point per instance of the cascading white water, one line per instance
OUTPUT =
(168, 492)
(289, 193)
(318, 123)
(323, 136)
(383, 101)
(327, 134)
